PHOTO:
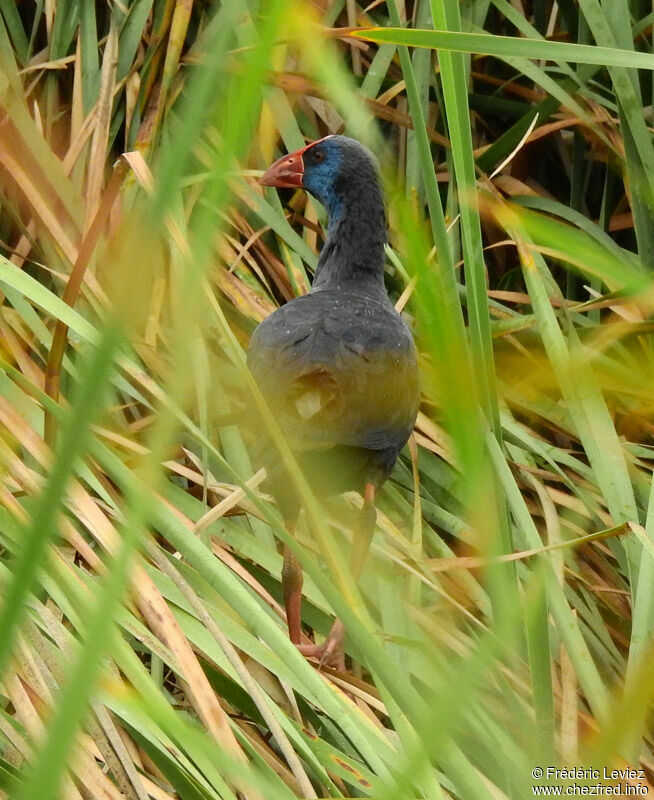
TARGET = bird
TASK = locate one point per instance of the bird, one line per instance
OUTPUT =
(338, 366)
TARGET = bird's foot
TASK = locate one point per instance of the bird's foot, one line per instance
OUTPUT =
(331, 652)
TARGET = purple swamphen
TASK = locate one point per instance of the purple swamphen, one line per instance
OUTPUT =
(337, 366)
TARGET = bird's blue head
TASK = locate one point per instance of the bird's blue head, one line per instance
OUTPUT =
(331, 169)
(322, 165)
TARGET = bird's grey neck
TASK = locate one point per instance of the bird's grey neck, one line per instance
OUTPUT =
(353, 255)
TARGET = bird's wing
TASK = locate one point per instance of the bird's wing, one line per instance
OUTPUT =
(338, 370)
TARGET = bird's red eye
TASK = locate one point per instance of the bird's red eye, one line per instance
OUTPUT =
(317, 156)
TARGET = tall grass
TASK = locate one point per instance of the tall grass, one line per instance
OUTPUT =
(504, 619)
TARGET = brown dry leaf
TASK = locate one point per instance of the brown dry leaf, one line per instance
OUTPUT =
(474, 562)
(98, 156)
(245, 299)
(513, 187)
(161, 620)
(434, 438)
(236, 497)
(42, 197)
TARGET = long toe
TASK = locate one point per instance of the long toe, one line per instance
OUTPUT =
(332, 651)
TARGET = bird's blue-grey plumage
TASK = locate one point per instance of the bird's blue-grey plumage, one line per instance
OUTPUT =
(338, 366)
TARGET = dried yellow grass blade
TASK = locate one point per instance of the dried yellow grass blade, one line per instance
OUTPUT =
(98, 156)
(473, 562)
(163, 623)
(42, 197)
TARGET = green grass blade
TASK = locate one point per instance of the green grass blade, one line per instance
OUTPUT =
(509, 46)
(454, 79)
(72, 445)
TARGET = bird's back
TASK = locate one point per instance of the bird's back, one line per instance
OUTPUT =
(339, 371)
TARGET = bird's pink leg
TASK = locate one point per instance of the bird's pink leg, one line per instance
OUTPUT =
(332, 651)
(292, 581)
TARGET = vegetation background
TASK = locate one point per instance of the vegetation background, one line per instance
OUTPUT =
(504, 621)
